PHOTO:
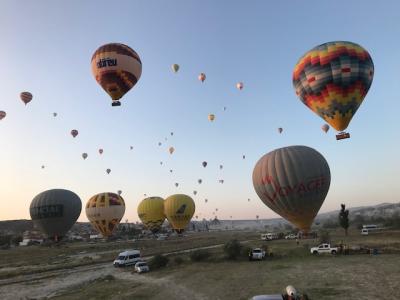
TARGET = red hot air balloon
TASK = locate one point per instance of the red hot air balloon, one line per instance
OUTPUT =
(202, 77)
(26, 97)
(74, 132)
(117, 68)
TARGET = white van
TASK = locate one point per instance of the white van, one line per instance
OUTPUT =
(127, 258)
(269, 236)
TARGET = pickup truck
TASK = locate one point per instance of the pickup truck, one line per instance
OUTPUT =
(256, 254)
(324, 248)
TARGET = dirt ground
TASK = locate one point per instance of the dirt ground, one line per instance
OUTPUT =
(321, 277)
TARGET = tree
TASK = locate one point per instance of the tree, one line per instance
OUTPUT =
(344, 218)
(232, 249)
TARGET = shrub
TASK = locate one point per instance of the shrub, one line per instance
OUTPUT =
(199, 255)
(178, 260)
(232, 249)
(324, 237)
(245, 251)
(158, 261)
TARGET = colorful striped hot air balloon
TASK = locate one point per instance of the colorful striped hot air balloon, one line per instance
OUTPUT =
(117, 68)
(151, 213)
(105, 211)
(26, 97)
(293, 182)
(179, 210)
(332, 80)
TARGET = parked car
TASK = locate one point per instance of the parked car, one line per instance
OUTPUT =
(127, 258)
(257, 254)
(324, 248)
(141, 267)
(291, 236)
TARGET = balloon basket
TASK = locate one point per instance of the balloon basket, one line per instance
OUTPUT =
(342, 135)
(116, 103)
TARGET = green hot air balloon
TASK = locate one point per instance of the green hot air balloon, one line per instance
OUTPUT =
(55, 211)
(293, 182)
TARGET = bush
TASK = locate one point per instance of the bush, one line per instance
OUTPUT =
(199, 255)
(158, 261)
(232, 249)
(178, 260)
(324, 237)
(245, 251)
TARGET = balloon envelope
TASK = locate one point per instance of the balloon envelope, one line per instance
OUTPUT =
(175, 68)
(332, 80)
(179, 210)
(108, 171)
(105, 211)
(26, 97)
(293, 182)
(74, 132)
(171, 150)
(151, 213)
(239, 85)
(2, 114)
(55, 211)
(204, 163)
(211, 117)
(325, 128)
(84, 155)
(202, 77)
(117, 68)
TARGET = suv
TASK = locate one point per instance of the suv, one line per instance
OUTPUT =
(141, 267)
(324, 248)
(256, 254)
(127, 258)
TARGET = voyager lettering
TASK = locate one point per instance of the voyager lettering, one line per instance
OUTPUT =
(106, 62)
(48, 211)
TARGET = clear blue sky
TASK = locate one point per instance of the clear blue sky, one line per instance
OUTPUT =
(46, 47)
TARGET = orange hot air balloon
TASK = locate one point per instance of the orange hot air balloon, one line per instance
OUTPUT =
(3, 114)
(202, 77)
(74, 132)
(293, 182)
(26, 97)
(117, 68)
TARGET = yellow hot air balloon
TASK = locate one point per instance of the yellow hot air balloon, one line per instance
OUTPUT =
(105, 211)
(179, 210)
(211, 117)
(151, 213)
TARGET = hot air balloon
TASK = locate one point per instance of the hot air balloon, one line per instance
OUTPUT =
(248, 200)
(332, 80)
(105, 211)
(239, 85)
(202, 77)
(100, 151)
(119, 192)
(170, 170)
(108, 171)
(293, 182)
(244, 156)
(43, 166)
(221, 167)
(161, 162)
(175, 68)
(159, 144)
(54, 114)
(204, 163)
(171, 150)
(205, 200)
(199, 181)
(325, 128)
(74, 132)
(176, 184)
(224, 108)
(55, 211)
(26, 97)
(179, 209)
(280, 129)
(151, 213)
(84, 155)
(172, 133)
(194, 193)
(221, 181)
(131, 147)
(117, 68)
(211, 117)
(3, 114)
